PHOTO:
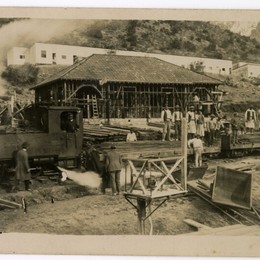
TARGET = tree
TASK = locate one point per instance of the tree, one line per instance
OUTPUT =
(131, 32)
(197, 66)
(24, 74)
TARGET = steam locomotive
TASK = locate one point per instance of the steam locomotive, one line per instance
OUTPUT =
(50, 143)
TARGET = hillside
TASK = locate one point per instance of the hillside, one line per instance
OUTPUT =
(193, 38)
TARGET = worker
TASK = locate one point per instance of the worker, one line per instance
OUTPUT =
(234, 127)
(196, 101)
(113, 167)
(176, 119)
(197, 145)
(191, 122)
(200, 130)
(250, 118)
(206, 129)
(22, 168)
(71, 125)
(131, 136)
(166, 117)
(212, 129)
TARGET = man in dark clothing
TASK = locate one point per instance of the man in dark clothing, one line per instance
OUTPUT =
(166, 117)
(234, 126)
(22, 168)
(113, 166)
(71, 125)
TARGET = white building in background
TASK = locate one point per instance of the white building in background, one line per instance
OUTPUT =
(44, 53)
(17, 56)
(246, 70)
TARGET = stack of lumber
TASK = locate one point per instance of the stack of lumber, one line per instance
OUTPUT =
(144, 148)
(142, 134)
(158, 124)
(109, 133)
(95, 133)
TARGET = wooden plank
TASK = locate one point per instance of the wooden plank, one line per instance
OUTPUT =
(6, 206)
(10, 203)
(217, 230)
(196, 224)
(233, 230)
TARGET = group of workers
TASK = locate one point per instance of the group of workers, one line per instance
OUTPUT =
(205, 126)
(204, 129)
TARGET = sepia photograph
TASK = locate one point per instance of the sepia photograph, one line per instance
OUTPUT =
(129, 132)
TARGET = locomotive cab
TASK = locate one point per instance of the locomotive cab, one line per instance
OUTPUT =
(50, 140)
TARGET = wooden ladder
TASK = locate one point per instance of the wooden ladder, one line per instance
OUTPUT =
(94, 107)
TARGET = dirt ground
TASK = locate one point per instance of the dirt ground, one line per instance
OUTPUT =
(79, 210)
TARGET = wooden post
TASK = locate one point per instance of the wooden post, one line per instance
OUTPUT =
(184, 148)
(65, 92)
(141, 214)
(88, 109)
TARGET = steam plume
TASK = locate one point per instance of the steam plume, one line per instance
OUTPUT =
(24, 33)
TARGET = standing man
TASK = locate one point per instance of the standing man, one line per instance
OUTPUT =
(113, 166)
(166, 117)
(176, 119)
(200, 124)
(191, 123)
(22, 168)
(197, 145)
(212, 129)
(234, 126)
(250, 118)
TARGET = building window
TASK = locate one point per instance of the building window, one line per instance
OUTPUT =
(223, 69)
(64, 57)
(43, 54)
(22, 57)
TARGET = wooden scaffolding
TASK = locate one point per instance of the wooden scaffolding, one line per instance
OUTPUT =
(152, 180)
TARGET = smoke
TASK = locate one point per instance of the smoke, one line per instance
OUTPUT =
(24, 33)
(88, 179)
(91, 179)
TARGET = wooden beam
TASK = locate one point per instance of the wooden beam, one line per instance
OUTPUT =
(196, 224)
(184, 147)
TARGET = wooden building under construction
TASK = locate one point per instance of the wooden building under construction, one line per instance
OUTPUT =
(113, 86)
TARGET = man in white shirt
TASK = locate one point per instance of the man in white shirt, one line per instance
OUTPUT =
(176, 119)
(250, 118)
(166, 117)
(131, 137)
(197, 145)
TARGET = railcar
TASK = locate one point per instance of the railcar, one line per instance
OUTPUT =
(43, 127)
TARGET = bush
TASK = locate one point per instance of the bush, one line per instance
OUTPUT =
(21, 75)
(189, 46)
(197, 66)
(175, 44)
(94, 32)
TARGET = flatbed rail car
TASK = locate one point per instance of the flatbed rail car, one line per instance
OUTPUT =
(245, 144)
(49, 142)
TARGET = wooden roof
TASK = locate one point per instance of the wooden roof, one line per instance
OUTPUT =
(131, 69)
